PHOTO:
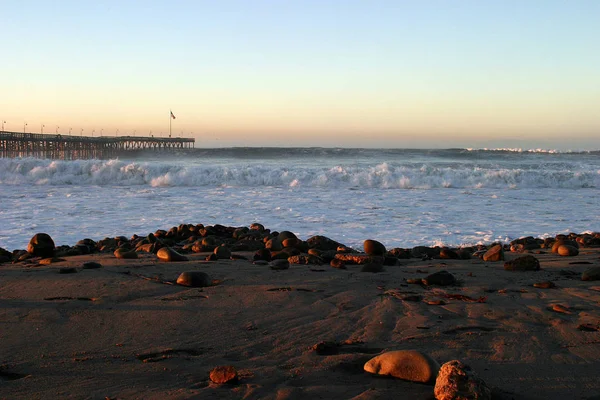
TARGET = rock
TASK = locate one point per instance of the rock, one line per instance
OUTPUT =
(302, 259)
(91, 265)
(410, 365)
(262, 254)
(591, 274)
(544, 285)
(374, 248)
(326, 348)
(125, 254)
(168, 254)
(372, 267)
(285, 235)
(274, 245)
(588, 327)
(194, 279)
(449, 254)
(567, 251)
(456, 381)
(51, 260)
(400, 253)
(279, 264)
(496, 253)
(294, 242)
(67, 270)
(223, 252)
(523, 263)
(41, 245)
(322, 243)
(337, 263)
(358, 258)
(440, 278)
(224, 374)
(424, 252)
(563, 242)
(257, 227)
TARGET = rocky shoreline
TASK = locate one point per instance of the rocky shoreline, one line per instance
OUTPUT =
(245, 312)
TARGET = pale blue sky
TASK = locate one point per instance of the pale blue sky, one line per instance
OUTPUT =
(311, 73)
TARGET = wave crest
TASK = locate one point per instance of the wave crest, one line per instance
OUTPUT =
(383, 175)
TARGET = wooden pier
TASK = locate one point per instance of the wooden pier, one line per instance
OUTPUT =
(68, 147)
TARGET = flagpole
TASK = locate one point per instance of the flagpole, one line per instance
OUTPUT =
(170, 121)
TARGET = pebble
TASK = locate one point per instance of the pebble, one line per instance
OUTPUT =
(456, 381)
(410, 365)
(224, 374)
(560, 309)
(544, 285)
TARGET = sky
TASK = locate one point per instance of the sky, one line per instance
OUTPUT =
(326, 73)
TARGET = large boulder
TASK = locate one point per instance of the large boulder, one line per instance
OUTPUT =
(456, 381)
(410, 365)
(41, 245)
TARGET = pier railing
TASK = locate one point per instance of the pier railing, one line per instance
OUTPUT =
(69, 147)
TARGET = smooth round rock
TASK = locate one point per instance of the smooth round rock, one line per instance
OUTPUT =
(224, 374)
(440, 278)
(168, 254)
(222, 252)
(457, 381)
(91, 265)
(449, 254)
(337, 263)
(194, 279)
(591, 274)
(125, 254)
(374, 248)
(523, 263)
(372, 267)
(567, 251)
(41, 245)
(495, 253)
(410, 365)
(279, 264)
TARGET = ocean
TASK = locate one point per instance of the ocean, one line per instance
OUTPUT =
(401, 197)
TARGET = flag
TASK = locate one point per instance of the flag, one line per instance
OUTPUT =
(172, 116)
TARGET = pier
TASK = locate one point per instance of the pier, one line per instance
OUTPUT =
(68, 147)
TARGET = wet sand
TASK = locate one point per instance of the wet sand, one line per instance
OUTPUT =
(126, 330)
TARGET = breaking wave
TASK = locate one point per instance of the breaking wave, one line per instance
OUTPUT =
(384, 175)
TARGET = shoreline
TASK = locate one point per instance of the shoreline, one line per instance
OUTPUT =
(97, 326)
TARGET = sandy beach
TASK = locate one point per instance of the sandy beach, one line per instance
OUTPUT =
(126, 329)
